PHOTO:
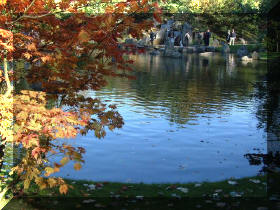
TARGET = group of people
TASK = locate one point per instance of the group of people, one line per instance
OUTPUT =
(231, 36)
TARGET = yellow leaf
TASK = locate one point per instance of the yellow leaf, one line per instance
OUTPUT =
(52, 182)
(63, 189)
(26, 183)
(64, 160)
(83, 36)
(2, 2)
(49, 171)
(77, 166)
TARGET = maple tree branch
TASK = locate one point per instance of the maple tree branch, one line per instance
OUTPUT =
(30, 5)
(25, 11)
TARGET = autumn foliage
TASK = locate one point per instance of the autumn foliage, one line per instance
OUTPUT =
(66, 51)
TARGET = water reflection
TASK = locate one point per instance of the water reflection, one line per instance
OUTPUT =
(189, 119)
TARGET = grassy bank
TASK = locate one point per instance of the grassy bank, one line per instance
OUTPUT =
(85, 193)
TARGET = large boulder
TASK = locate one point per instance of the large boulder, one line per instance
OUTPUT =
(130, 41)
(155, 52)
(215, 43)
(242, 51)
(210, 49)
(255, 55)
(243, 41)
(246, 58)
(200, 49)
(190, 50)
(172, 53)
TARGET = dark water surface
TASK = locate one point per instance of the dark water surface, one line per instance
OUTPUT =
(189, 119)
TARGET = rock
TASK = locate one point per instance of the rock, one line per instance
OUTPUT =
(155, 52)
(243, 41)
(246, 58)
(255, 55)
(206, 54)
(182, 189)
(215, 43)
(242, 51)
(171, 53)
(190, 50)
(131, 41)
(200, 49)
(210, 49)
(181, 49)
(88, 201)
(225, 48)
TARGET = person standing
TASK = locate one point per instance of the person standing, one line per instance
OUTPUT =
(232, 37)
(152, 37)
(199, 37)
(207, 36)
(171, 36)
(187, 39)
(228, 37)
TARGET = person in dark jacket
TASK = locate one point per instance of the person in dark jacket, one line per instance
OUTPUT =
(232, 37)
(206, 37)
(152, 37)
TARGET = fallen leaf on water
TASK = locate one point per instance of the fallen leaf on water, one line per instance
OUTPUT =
(88, 201)
(235, 194)
(92, 187)
(140, 197)
(221, 204)
(232, 182)
(218, 190)
(171, 187)
(124, 188)
(182, 189)
(256, 181)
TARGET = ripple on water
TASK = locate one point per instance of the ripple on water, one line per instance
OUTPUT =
(184, 121)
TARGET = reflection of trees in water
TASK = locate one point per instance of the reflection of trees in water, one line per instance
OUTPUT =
(268, 114)
(192, 85)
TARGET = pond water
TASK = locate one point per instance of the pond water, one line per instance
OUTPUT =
(189, 119)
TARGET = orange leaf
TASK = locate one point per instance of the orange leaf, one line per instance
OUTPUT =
(83, 36)
(77, 166)
(31, 47)
(3, 2)
(63, 189)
